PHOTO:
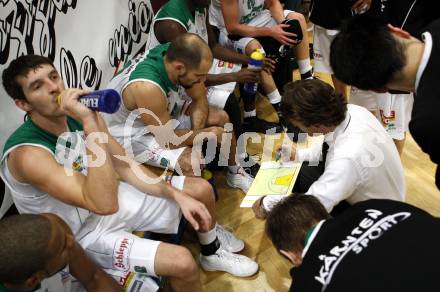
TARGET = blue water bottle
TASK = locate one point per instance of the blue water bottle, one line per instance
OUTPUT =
(105, 100)
(256, 62)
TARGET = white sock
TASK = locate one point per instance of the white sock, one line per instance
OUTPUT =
(304, 65)
(207, 237)
(274, 96)
(234, 168)
(250, 114)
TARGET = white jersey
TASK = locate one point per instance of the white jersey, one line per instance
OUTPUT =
(29, 199)
(178, 11)
(69, 150)
(60, 282)
(125, 124)
(248, 10)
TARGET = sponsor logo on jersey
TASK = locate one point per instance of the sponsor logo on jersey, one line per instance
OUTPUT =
(140, 269)
(369, 229)
(121, 253)
(126, 280)
(65, 276)
(223, 64)
(317, 55)
(386, 120)
(136, 287)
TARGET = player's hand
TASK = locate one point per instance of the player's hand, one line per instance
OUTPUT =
(71, 106)
(282, 36)
(259, 211)
(269, 65)
(248, 75)
(194, 211)
(287, 152)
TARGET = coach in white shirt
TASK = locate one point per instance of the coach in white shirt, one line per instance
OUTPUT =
(361, 160)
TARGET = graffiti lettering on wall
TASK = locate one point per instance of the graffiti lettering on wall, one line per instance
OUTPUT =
(89, 74)
(36, 27)
(139, 21)
(28, 27)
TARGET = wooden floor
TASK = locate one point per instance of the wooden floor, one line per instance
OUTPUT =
(274, 269)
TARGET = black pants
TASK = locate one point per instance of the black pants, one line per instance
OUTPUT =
(307, 176)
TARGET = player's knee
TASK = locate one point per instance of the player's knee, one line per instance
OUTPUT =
(252, 46)
(218, 118)
(204, 192)
(298, 16)
(222, 118)
(185, 265)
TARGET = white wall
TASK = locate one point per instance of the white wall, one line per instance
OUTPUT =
(85, 38)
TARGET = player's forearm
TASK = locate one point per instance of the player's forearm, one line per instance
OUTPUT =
(138, 175)
(189, 141)
(100, 191)
(228, 55)
(199, 113)
(100, 188)
(142, 178)
(216, 79)
(248, 31)
(103, 282)
(277, 11)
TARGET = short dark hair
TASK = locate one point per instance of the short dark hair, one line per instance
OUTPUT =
(312, 102)
(188, 48)
(23, 246)
(21, 67)
(365, 54)
(289, 220)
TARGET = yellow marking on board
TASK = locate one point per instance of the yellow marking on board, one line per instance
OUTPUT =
(284, 180)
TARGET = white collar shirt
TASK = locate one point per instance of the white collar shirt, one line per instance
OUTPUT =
(362, 163)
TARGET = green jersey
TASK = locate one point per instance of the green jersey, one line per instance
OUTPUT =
(178, 11)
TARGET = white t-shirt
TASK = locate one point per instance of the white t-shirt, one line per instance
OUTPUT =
(247, 11)
(362, 163)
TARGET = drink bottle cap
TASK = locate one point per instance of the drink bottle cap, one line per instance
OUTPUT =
(58, 99)
(257, 55)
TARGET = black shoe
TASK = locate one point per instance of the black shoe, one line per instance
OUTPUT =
(254, 124)
(307, 75)
(276, 106)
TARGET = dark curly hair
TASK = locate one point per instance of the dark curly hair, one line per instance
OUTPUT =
(20, 67)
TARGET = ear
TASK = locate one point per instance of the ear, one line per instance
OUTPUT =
(398, 31)
(179, 66)
(34, 280)
(23, 105)
(319, 128)
(294, 257)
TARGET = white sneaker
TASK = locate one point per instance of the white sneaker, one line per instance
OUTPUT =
(228, 240)
(234, 264)
(241, 180)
